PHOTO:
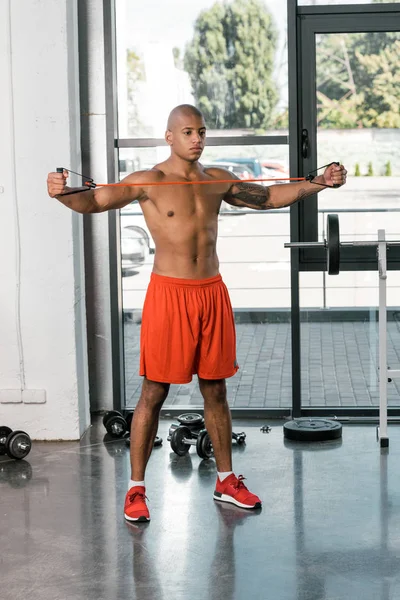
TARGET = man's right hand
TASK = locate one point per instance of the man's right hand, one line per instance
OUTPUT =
(57, 183)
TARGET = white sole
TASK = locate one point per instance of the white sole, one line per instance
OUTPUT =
(139, 520)
(230, 500)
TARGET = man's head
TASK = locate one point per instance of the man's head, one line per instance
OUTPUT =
(186, 132)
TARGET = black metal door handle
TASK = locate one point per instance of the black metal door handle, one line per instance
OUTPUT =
(305, 143)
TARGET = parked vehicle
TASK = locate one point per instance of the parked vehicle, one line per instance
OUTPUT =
(261, 169)
(136, 241)
(275, 170)
(253, 165)
(240, 170)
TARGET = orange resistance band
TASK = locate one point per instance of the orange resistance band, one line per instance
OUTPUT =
(232, 181)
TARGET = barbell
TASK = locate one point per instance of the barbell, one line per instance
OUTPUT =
(332, 244)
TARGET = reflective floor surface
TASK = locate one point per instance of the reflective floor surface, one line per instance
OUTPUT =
(329, 528)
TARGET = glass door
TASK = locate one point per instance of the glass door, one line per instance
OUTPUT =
(350, 113)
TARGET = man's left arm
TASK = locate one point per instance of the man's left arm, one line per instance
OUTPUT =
(256, 196)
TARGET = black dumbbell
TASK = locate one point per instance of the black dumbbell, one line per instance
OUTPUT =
(4, 433)
(193, 421)
(117, 425)
(16, 444)
(239, 437)
(182, 437)
(190, 418)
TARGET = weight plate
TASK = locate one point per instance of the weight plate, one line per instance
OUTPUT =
(190, 419)
(312, 430)
(333, 245)
(203, 445)
(18, 445)
(4, 433)
(177, 443)
(116, 426)
(109, 414)
(324, 446)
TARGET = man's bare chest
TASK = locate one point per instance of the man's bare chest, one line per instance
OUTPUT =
(186, 200)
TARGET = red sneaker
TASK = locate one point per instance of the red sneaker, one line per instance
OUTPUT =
(135, 505)
(233, 490)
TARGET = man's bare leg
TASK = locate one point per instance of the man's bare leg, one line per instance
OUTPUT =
(218, 423)
(145, 424)
(217, 416)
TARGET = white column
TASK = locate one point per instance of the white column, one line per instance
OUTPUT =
(43, 350)
(94, 148)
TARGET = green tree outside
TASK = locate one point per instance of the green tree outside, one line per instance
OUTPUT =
(230, 62)
(358, 80)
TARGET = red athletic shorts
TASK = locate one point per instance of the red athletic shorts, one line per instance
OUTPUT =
(187, 327)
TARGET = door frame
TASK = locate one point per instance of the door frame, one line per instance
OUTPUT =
(303, 23)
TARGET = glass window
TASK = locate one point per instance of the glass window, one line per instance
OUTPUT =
(358, 108)
(229, 59)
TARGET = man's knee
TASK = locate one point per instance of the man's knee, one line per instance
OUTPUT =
(213, 390)
(154, 392)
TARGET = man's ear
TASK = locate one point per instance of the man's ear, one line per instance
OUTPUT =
(168, 137)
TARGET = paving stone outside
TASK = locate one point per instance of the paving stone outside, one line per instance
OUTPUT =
(339, 365)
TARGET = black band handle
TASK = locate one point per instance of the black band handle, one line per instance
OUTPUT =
(59, 170)
(310, 177)
(336, 185)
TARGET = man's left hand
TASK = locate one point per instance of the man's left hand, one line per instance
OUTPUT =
(335, 175)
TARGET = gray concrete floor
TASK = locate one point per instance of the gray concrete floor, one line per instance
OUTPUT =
(328, 529)
(339, 366)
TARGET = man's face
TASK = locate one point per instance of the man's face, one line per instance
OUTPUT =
(187, 137)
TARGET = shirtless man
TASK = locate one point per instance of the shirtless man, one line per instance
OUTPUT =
(187, 322)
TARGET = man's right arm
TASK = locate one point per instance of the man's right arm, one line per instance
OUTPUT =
(98, 199)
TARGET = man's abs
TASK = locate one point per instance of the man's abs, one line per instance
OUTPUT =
(185, 267)
(188, 255)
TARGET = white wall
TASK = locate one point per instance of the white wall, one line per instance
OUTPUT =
(43, 357)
